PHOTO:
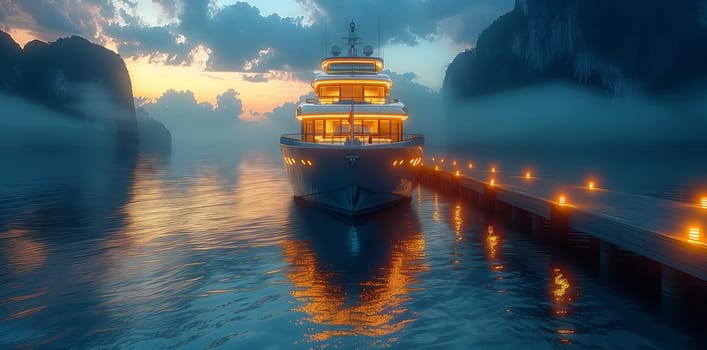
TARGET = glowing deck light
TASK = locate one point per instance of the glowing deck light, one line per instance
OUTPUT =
(694, 233)
(562, 200)
(436, 167)
(457, 173)
(454, 162)
(493, 169)
(441, 160)
(493, 182)
(309, 162)
(527, 175)
(302, 161)
(433, 159)
(591, 185)
(704, 202)
(471, 165)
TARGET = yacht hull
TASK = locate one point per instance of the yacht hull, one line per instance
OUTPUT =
(352, 180)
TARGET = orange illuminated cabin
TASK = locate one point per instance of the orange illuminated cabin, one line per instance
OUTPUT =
(352, 85)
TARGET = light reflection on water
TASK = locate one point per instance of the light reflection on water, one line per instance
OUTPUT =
(354, 279)
(207, 253)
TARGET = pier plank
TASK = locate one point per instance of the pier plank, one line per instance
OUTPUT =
(655, 228)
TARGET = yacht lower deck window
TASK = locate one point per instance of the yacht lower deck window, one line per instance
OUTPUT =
(337, 131)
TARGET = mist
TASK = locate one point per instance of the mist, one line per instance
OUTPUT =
(565, 115)
(27, 124)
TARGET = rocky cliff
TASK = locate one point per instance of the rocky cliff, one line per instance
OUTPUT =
(617, 47)
(74, 77)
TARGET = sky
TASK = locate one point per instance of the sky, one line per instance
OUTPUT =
(267, 51)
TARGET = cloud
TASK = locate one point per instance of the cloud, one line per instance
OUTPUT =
(49, 19)
(195, 122)
(256, 78)
(228, 104)
(240, 37)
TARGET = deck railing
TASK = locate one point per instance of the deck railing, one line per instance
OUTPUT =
(363, 138)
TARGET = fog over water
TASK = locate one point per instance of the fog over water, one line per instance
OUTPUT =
(558, 114)
(642, 144)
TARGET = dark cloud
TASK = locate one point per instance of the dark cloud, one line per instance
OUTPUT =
(50, 19)
(256, 78)
(407, 21)
(160, 43)
(241, 38)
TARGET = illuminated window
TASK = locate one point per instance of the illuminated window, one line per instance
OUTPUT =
(374, 94)
(352, 92)
(308, 130)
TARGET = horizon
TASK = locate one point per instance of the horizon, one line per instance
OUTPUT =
(197, 59)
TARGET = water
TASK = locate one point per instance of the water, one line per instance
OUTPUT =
(197, 251)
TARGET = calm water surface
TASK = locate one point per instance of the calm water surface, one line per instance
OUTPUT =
(197, 251)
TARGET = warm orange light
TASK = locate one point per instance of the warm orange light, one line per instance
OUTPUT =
(493, 169)
(527, 175)
(436, 167)
(562, 200)
(433, 159)
(454, 162)
(591, 185)
(471, 165)
(371, 81)
(441, 160)
(309, 162)
(704, 202)
(457, 173)
(302, 161)
(493, 182)
(358, 116)
(694, 233)
(377, 62)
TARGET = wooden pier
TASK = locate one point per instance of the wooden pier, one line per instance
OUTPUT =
(668, 232)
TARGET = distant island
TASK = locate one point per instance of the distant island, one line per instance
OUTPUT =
(75, 78)
(614, 47)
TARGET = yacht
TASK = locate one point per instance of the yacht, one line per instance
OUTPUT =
(352, 155)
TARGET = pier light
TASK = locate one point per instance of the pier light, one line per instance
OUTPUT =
(694, 233)
(590, 185)
(703, 202)
(454, 162)
(562, 200)
(457, 173)
(493, 182)
(493, 169)
(470, 165)
(527, 175)
(441, 160)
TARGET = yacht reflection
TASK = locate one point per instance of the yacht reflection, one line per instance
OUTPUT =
(354, 278)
